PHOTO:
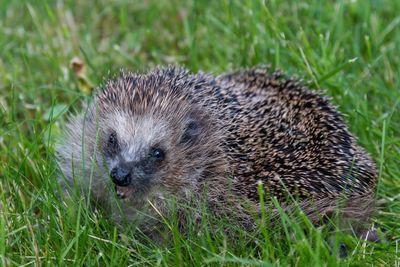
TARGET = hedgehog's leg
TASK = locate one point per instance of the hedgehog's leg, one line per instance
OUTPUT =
(353, 214)
(357, 213)
(370, 235)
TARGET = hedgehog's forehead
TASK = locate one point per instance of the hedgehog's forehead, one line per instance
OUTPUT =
(143, 96)
(140, 128)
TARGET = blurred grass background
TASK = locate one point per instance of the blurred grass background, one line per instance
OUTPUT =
(348, 48)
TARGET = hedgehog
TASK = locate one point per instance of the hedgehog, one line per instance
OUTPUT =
(171, 133)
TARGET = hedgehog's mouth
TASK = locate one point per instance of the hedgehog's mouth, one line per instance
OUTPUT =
(124, 191)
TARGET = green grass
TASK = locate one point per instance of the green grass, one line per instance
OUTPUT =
(349, 49)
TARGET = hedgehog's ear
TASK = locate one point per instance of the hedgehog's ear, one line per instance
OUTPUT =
(191, 132)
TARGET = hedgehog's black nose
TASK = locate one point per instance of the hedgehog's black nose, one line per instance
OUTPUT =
(120, 176)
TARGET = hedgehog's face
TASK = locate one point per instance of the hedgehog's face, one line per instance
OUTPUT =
(146, 153)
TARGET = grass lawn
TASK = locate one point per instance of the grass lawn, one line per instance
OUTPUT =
(350, 49)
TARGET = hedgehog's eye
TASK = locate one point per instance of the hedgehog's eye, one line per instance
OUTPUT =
(158, 154)
(112, 144)
(112, 139)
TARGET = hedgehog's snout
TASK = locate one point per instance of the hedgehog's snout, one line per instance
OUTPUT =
(121, 176)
